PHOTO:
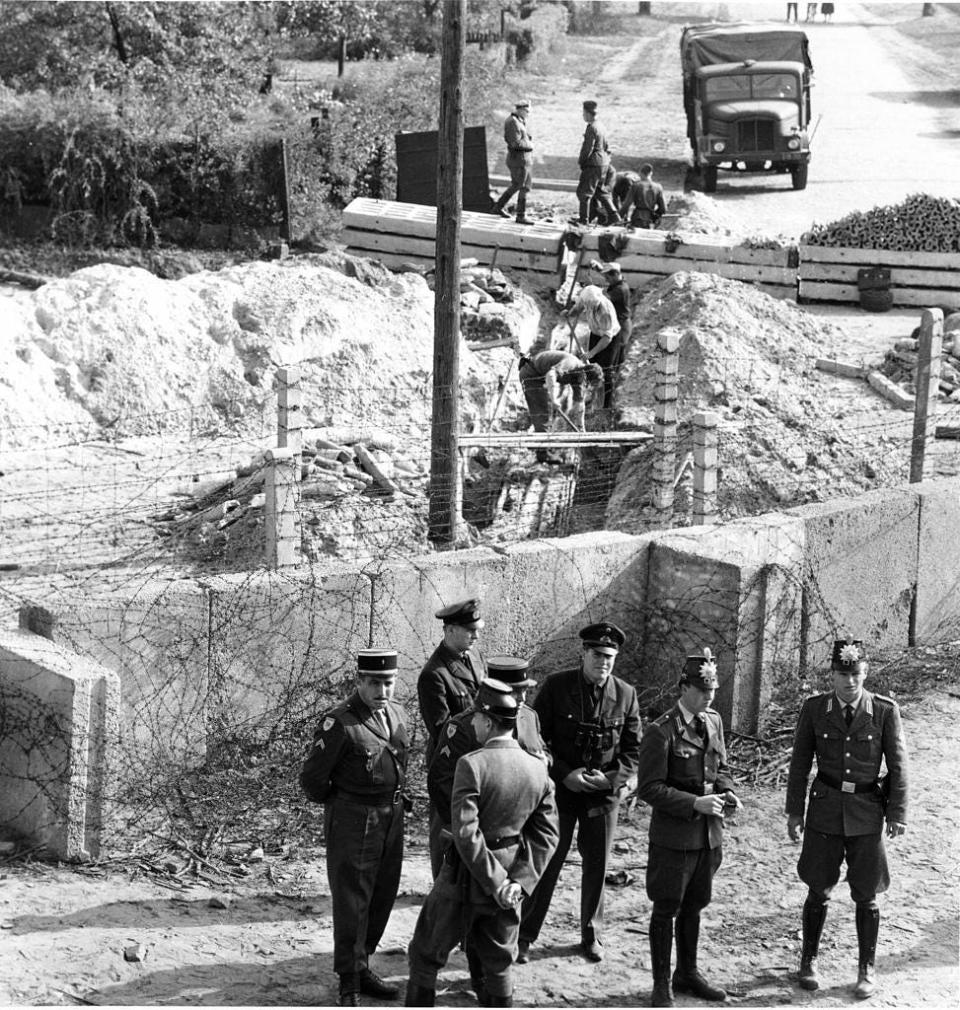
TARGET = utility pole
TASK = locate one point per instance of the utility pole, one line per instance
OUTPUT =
(445, 489)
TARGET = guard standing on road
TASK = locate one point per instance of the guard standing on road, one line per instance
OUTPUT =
(591, 722)
(850, 731)
(504, 826)
(357, 768)
(519, 162)
(448, 684)
(593, 160)
(683, 775)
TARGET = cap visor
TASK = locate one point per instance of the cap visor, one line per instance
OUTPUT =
(603, 648)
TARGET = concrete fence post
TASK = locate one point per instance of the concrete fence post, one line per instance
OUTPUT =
(281, 509)
(665, 425)
(705, 460)
(290, 414)
(929, 347)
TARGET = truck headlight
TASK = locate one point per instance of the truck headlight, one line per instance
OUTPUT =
(719, 146)
(793, 144)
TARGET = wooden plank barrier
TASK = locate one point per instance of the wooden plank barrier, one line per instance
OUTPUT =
(917, 279)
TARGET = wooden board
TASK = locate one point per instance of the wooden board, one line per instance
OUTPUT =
(819, 291)
(900, 277)
(878, 257)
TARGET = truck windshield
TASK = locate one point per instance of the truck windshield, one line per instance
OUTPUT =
(746, 86)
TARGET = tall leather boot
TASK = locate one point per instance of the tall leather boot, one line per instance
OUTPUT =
(522, 208)
(476, 977)
(584, 210)
(661, 946)
(687, 977)
(419, 995)
(814, 916)
(868, 927)
(499, 208)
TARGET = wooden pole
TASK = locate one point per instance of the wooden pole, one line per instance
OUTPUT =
(284, 193)
(929, 348)
(445, 490)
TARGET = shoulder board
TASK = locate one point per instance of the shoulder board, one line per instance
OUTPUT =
(712, 711)
(661, 720)
(886, 698)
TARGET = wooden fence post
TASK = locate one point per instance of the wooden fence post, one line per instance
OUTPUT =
(280, 511)
(929, 347)
(705, 459)
(290, 415)
(665, 425)
(284, 193)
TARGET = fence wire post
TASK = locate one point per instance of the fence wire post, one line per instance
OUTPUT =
(705, 458)
(929, 347)
(290, 415)
(665, 425)
(282, 497)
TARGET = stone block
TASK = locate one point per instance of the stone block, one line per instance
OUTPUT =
(59, 738)
(937, 616)
(860, 570)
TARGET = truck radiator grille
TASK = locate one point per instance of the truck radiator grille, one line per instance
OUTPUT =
(755, 135)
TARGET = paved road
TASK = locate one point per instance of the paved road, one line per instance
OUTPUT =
(882, 136)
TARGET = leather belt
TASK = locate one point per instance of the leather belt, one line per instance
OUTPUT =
(847, 787)
(502, 842)
(372, 799)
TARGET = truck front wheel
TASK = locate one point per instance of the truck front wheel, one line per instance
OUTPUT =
(710, 178)
(799, 175)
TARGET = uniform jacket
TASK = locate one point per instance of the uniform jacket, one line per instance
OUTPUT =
(563, 703)
(446, 687)
(595, 150)
(676, 767)
(851, 754)
(500, 791)
(618, 294)
(351, 754)
(458, 738)
(647, 196)
(518, 137)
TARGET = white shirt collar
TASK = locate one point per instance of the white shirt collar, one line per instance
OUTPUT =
(688, 716)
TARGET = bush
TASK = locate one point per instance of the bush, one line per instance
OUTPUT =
(541, 34)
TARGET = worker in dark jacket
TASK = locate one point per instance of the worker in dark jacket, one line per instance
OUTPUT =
(593, 160)
(683, 775)
(448, 684)
(643, 205)
(357, 768)
(519, 143)
(591, 722)
(851, 732)
(504, 827)
(618, 293)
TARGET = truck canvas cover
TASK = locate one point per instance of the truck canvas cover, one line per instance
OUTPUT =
(706, 45)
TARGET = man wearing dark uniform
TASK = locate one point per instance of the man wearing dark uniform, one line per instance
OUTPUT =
(643, 201)
(851, 732)
(593, 160)
(591, 722)
(618, 293)
(504, 827)
(448, 684)
(357, 768)
(519, 162)
(683, 775)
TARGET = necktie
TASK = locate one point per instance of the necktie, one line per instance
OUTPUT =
(467, 662)
(380, 721)
(700, 725)
(848, 714)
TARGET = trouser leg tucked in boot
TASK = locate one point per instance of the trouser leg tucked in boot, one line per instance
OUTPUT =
(868, 927)
(687, 977)
(661, 946)
(814, 916)
(499, 207)
(584, 209)
(522, 208)
(419, 995)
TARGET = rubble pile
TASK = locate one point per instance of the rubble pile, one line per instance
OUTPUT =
(900, 362)
(751, 358)
(920, 223)
(492, 310)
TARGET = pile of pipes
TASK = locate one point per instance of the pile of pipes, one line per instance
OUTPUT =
(921, 223)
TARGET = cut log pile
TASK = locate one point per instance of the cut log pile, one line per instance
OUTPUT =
(900, 362)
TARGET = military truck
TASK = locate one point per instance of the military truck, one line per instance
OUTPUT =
(746, 93)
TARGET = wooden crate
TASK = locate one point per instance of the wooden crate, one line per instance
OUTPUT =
(917, 279)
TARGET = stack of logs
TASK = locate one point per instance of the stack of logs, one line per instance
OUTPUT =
(900, 363)
(331, 470)
(921, 223)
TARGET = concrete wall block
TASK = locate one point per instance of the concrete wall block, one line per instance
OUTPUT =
(59, 744)
(860, 570)
(938, 585)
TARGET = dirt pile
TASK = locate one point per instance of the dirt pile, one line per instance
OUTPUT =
(750, 358)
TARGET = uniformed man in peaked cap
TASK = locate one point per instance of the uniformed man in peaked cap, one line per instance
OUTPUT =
(357, 768)
(851, 732)
(590, 720)
(448, 684)
(593, 160)
(519, 143)
(683, 775)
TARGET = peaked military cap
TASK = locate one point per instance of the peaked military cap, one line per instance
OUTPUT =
(509, 670)
(603, 637)
(846, 654)
(496, 698)
(377, 662)
(522, 104)
(590, 106)
(701, 671)
(464, 612)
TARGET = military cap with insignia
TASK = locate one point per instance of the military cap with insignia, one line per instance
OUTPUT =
(701, 671)
(509, 670)
(603, 637)
(846, 655)
(496, 698)
(464, 612)
(377, 662)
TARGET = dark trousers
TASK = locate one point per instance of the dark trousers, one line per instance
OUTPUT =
(594, 843)
(488, 932)
(681, 880)
(364, 856)
(609, 360)
(537, 397)
(822, 856)
(592, 185)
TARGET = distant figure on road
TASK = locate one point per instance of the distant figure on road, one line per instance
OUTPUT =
(519, 160)
(812, 12)
(827, 11)
(791, 9)
(593, 161)
(644, 201)
(571, 374)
